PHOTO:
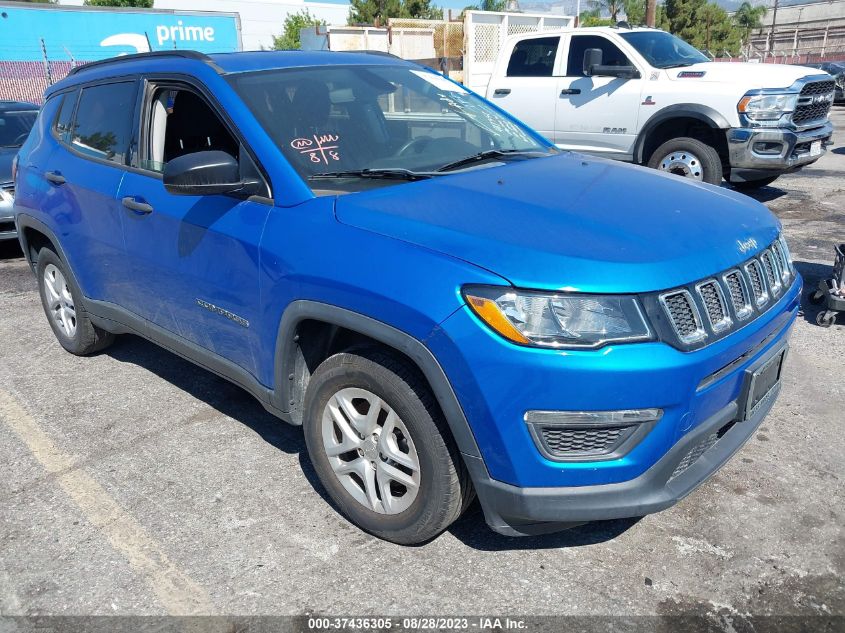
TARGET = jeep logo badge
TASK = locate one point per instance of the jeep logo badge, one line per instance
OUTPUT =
(747, 245)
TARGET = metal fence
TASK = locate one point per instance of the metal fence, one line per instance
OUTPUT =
(27, 81)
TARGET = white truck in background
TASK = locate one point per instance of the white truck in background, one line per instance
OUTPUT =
(645, 96)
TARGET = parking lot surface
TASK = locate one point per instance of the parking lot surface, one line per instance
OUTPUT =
(132, 482)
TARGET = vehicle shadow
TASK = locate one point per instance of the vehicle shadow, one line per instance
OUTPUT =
(10, 249)
(838, 150)
(218, 393)
(812, 273)
(765, 194)
(473, 532)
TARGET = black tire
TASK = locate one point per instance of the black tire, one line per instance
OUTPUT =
(815, 297)
(86, 338)
(444, 489)
(705, 159)
(825, 318)
(753, 185)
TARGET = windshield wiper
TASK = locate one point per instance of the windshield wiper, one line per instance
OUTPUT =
(488, 154)
(679, 65)
(386, 174)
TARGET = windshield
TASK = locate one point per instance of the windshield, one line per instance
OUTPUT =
(357, 118)
(663, 50)
(15, 126)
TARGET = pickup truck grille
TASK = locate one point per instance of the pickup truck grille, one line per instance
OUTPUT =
(814, 103)
(715, 307)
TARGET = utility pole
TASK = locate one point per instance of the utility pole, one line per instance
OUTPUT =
(772, 29)
(650, 11)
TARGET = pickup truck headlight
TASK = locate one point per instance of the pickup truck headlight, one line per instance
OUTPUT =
(767, 107)
(558, 320)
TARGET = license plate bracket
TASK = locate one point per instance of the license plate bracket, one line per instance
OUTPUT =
(816, 148)
(764, 383)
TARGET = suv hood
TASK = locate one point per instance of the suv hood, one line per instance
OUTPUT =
(748, 76)
(570, 222)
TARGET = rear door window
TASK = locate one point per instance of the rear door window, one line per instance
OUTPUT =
(103, 126)
(534, 57)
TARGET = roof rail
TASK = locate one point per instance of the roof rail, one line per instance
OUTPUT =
(185, 54)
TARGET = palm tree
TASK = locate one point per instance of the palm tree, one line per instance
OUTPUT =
(613, 7)
(748, 18)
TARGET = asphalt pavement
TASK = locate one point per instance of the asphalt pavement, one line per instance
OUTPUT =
(133, 483)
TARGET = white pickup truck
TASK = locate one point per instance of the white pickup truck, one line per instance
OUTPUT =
(645, 96)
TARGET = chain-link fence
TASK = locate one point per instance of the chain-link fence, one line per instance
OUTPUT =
(27, 81)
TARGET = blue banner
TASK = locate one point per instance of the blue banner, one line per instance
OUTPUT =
(90, 34)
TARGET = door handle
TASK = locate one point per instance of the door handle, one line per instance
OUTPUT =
(570, 91)
(55, 177)
(130, 202)
(501, 92)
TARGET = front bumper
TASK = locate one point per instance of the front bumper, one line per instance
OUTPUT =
(755, 150)
(700, 393)
(518, 511)
(7, 214)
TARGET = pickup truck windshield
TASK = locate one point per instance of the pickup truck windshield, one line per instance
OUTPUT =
(363, 121)
(663, 50)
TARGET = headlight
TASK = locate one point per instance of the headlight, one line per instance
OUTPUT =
(767, 107)
(559, 320)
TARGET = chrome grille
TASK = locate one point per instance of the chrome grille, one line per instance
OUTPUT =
(721, 302)
(772, 272)
(758, 287)
(714, 305)
(814, 102)
(681, 309)
(738, 293)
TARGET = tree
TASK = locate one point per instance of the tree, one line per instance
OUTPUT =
(748, 18)
(293, 25)
(592, 17)
(41, 1)
(487, 5)
(372, 11)
(142, 4)
(613, 7)
(703, 24)
(634, 11)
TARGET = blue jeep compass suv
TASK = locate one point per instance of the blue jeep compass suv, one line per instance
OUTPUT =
(446, 303)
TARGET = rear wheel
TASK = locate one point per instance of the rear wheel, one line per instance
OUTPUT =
(752, 185)
(381, 446)
(64, 309)
(690, 158)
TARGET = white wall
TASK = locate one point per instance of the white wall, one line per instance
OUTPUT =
(260, 19)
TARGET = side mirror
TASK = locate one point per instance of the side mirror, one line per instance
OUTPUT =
(204, 174)
(592, 58)
(594, 68)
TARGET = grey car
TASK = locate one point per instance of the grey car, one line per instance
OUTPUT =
(16, 119)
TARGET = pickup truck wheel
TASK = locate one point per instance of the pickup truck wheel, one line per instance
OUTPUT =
(689, 158)
(64, 309)
(381, 446)
(752, 185)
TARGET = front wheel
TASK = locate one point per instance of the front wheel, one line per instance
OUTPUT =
(753, 185)
(690, 158)
(381, 446)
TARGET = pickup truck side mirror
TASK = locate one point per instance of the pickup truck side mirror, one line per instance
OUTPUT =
(594, 68)
(205, 173)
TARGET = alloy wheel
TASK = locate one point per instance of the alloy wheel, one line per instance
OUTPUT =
(60, 300)
(370, 451)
